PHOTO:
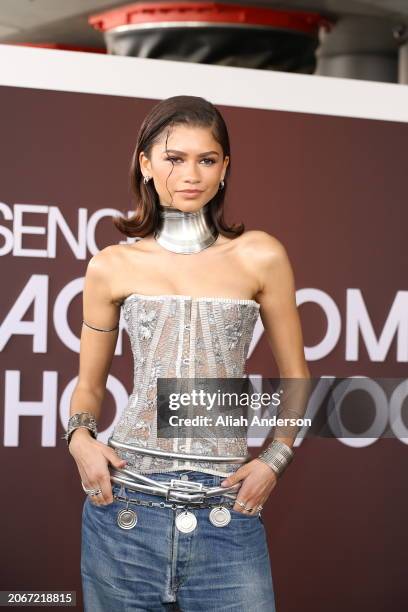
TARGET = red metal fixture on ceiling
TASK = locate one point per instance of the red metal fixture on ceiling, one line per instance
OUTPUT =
(207, 12)
(214, 33)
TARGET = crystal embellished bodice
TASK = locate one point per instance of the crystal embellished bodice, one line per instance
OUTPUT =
(184, 337)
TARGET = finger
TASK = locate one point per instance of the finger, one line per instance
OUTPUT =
(237, 476)
(106, 486)
(243, 494)
(98, 484)
(240, 508)
(113, 458)
(105, 496)
(92, 486)
(256, 509)
(97, 498)
(248, 504)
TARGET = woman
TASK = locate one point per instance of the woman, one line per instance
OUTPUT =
(159, 532)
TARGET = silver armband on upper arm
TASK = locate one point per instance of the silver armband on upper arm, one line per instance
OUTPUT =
(99, 328)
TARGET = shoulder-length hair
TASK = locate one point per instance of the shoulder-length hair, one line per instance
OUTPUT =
(193, 111)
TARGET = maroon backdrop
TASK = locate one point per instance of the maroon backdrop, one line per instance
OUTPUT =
(333, 191)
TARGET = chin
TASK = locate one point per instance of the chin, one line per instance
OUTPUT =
(189, 205)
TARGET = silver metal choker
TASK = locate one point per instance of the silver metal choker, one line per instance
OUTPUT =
(185, 232)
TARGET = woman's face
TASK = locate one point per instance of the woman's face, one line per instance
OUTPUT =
(193, 161)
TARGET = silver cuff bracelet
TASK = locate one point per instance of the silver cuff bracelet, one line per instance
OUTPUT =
(81, 419)
(278, 456)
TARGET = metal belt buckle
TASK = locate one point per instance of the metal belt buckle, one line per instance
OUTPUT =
(183, 486)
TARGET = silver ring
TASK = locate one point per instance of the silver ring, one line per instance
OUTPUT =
(240, 503)
(94, 492)
(91, 492)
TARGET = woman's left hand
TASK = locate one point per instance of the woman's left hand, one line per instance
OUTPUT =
(258, 481)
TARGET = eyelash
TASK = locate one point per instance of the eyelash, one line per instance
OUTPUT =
(204, 159)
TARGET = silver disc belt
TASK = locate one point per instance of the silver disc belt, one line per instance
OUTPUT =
(175, 489)
(193, 494)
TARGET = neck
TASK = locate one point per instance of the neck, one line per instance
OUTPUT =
(185, 232)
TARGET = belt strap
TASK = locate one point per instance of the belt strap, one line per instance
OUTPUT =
(174, 506)
(175, 490)
(156, 452)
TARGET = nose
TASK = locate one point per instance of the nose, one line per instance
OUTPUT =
(192, 173)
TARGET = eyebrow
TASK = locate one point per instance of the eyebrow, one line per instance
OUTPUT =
(182, 152)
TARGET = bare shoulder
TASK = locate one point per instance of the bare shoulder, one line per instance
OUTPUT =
(104, 265)
(263, 247)
(102, 261)
(267, 259)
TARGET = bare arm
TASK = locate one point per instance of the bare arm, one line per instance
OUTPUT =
(97, 349)
(278, 311)
(280, 318)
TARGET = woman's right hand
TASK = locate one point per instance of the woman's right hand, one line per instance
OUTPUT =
(92, 458)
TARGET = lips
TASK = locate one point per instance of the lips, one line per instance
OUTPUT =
(190, 191)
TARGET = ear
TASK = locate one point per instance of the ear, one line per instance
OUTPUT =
(144, 162)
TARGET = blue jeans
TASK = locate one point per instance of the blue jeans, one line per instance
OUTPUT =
(155, 567)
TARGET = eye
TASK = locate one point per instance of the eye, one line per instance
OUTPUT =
(205, 159)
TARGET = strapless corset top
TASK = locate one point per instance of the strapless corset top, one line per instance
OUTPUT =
(185, 337)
